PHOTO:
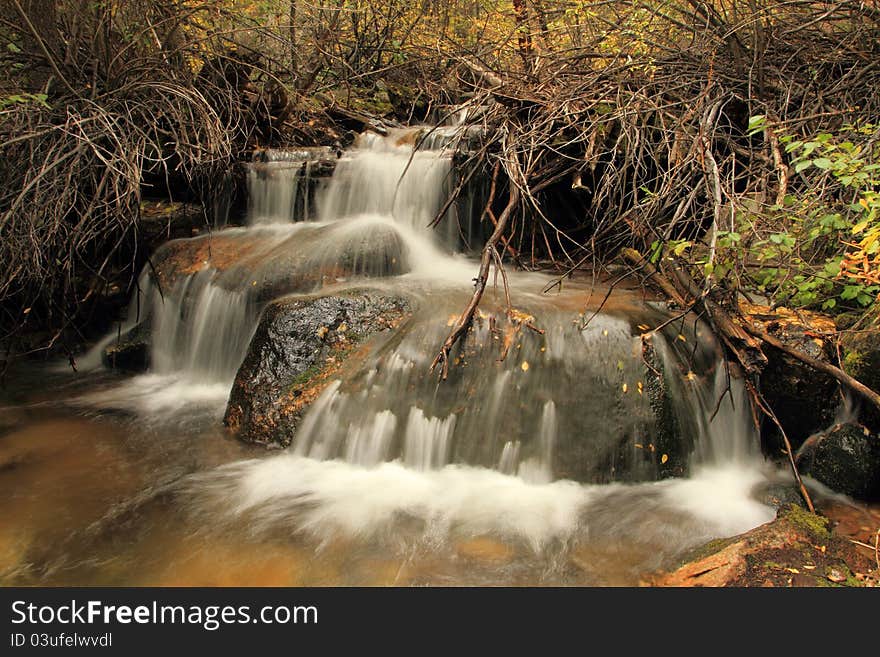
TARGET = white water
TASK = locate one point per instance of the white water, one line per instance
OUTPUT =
(332, 498)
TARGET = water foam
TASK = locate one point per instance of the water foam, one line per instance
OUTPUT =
(329, 498)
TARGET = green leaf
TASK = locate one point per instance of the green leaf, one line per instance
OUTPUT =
(757, 123)
(681, 247)
(850, 292)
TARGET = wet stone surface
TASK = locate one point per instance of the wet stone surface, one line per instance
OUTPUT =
(846, 458)
(297, 346)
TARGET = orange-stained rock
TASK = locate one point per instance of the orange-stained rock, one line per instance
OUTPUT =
(796, 549)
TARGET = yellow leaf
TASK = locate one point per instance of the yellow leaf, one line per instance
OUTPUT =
(640, 387)
(682, 338)
(664, 458)
(525, 366)
(625, 387)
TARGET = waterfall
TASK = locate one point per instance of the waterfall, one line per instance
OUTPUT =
(545, 440)
(384, 176)
(393, 409)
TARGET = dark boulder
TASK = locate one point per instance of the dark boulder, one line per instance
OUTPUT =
(778, 494)
(298, 346)
(862, 361)
(805, 401)
(846, 458)
(130, 352)
(670, 437)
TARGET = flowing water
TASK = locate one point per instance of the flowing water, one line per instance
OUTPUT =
(538, 467)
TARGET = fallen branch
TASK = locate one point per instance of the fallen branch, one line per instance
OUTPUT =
(654, 276)
(489, 253)
(760, 402)
(746, 349)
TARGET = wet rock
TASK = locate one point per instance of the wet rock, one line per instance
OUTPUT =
(804, 400)
(778, 494)
(862, 361)
(271, 264)
(161, 220)
(796, 549)
(130, 353)
(298, 346)
(846, 458)
(669, 437)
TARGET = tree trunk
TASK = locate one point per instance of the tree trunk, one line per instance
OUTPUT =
(524, 33)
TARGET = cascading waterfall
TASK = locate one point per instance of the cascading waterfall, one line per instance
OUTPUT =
(200, 328)
(556, 444)
(383, 176)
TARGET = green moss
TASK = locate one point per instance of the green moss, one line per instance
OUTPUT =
(707, 549)
(811, 522)
(854, 362)
(826, 583)
(304, 377)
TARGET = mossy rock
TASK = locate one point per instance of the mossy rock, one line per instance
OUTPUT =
(130, 353)
(861, 360)
(813, 523)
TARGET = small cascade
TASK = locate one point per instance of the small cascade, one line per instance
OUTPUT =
(539, 468)
(272, 193)
(200, 330)
(282, 184)
(588, 414)
(711, 404)
(427, 440)
(385, 176)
